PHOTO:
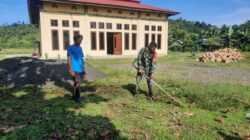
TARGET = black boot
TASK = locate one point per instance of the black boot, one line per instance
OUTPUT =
(150, 90)
(137, 91)
(73, 94)
(137, 88)
(77, 96)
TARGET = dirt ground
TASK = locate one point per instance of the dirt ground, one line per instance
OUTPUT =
(25, 71)
(192, 72)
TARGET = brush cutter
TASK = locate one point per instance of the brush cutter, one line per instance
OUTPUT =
(173, 100)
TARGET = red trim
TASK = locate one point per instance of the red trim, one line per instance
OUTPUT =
(127, 4)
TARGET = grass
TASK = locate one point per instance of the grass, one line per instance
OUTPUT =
(110, 111)
(186, 58)
(15, 51)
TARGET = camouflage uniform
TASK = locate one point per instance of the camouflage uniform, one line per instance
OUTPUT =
(147, 61)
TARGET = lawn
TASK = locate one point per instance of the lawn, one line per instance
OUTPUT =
(184, 58)
(109, 111)
(15, 52)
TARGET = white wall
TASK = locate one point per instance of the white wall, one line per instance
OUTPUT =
(85, 19)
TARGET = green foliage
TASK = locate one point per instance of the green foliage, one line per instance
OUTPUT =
(213, 43)
(188, 32)
(246, 48)
(18, 35)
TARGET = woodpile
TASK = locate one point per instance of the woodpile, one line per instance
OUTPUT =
(226, 55)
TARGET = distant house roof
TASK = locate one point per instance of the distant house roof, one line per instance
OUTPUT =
(128, 4)
(200, 41)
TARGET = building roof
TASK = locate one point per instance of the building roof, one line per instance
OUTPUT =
(133, 4)
(128, 4)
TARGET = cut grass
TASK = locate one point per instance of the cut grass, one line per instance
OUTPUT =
(16, 51)
(186, 58)
(108, 107)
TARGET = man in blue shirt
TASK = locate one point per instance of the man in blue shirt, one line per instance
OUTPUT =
(76, 65)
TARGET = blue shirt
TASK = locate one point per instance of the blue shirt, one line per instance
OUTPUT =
(76, 55)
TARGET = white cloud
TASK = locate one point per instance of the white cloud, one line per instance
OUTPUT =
(239, 16)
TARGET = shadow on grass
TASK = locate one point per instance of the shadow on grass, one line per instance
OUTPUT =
(131, 89)
(25, 71)
(27, 114)
(227, 136)
(27, 111)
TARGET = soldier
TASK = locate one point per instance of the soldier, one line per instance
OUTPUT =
(146, 62)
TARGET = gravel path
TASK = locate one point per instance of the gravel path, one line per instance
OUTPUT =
(206, 74)
(25, 71)
(199, 74)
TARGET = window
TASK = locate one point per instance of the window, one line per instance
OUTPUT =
(65, 23)
(73, 8)
(66, 39)
(101, 25)
(153, 28)
(153, 38)
(134, 41)
(134, 27)
(101, 40)
(120, 12)
(76, 24)
(55, 40)
(132, 13)
(93, 25)
(109, 25)
(146, 28)
(76, 33)
(93, 40)
(54, 23)
(126, 26)
(146, 40)
(159, 28)
(95, 10)
(54, 6)
(159, 41)
(109, 11)
(119, 26)
(148, 15)
(126, 41)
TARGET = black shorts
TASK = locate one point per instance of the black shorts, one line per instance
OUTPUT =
(78, 78)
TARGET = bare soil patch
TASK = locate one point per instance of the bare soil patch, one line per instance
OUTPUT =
(25, 71)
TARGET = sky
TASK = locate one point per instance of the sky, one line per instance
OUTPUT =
(216, 12)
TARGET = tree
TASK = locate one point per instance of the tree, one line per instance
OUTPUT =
(182, 32)
(213, 43)
(18, 35)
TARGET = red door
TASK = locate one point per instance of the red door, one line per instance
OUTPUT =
(117, 44)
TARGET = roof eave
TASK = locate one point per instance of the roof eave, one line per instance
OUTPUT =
(33, 11)
(169, 13)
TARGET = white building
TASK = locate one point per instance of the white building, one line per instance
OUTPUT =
(109, 27)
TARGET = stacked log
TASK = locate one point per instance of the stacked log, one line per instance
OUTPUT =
(226, 55)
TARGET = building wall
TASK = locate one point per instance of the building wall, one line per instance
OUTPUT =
(85, 15)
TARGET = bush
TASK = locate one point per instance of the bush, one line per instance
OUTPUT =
(213, 43)
(175, 47)
(18, 36)
(246, 48)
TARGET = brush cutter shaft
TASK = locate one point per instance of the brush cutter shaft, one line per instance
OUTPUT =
(161, 89)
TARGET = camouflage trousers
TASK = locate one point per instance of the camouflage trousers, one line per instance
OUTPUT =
(149, 83)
